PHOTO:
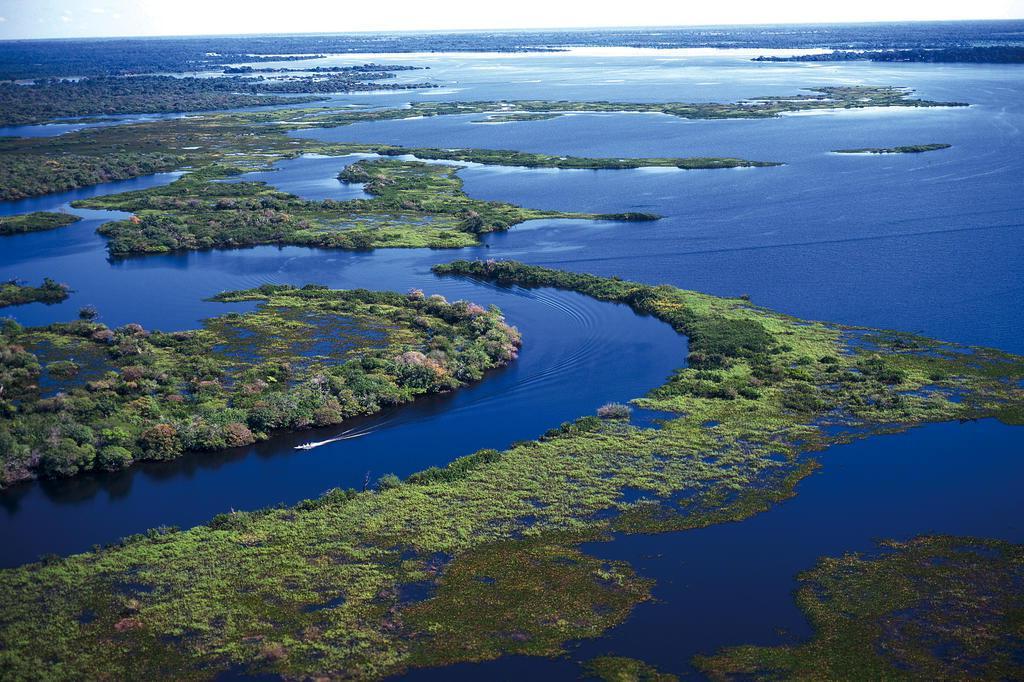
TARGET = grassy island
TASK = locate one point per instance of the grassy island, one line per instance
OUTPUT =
(15, 293)
(481, 558)
(935, 608)
(35, 222)
(905, 149)
(80, 396)
(415, 204)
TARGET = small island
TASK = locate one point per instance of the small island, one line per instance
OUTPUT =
(35, 222)
(50, 291)
(905, 149)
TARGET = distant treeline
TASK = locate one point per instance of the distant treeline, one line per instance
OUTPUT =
(28, 175)
(362, 68)
(102, 57)
(1000, 54)
(52, 98)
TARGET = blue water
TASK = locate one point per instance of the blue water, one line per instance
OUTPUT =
(930, 243)
(312, 176)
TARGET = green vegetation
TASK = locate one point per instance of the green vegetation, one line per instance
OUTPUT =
(520, 597)
(905, 149)
(415, 205)
(481, 558)
(46, 100)
(15, 293)
(516, 116)
(817, 99)
(933, 608)
(35, 222)
(973, 54)
(505, 157)
(622, 669)
(29, 175)
(80, 396)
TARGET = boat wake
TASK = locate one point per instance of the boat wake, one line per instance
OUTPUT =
(344, 435)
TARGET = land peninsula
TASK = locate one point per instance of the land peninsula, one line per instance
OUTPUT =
(81, 396)
(413, 204)
(482, 558)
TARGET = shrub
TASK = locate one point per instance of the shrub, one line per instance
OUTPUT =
(65, 457)
(113, 457)
(388, 481)
(237, 434)
(614, 411)
(63, 369)
(160, 442)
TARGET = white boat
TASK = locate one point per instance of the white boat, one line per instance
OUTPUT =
(314, 444)
(342, 436)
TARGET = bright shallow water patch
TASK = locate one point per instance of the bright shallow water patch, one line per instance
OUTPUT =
(310, 176)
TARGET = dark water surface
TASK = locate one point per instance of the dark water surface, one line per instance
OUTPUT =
(930, 243)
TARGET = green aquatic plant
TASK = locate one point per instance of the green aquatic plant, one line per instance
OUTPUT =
(934, 607)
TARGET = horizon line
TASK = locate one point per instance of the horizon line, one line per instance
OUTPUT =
(545, 29)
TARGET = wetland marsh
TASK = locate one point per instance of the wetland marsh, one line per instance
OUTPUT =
(750, 418)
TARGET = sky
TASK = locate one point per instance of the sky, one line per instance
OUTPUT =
(80, 18)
